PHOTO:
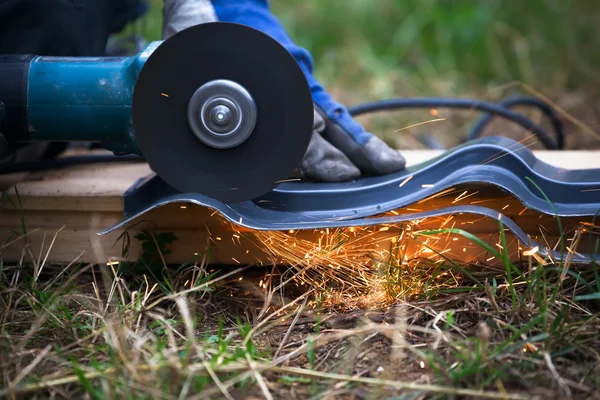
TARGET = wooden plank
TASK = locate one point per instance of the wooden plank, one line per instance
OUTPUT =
(79, 201)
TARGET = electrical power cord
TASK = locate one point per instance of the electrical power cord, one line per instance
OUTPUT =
(491, 110)
(501, 110)
(549, 112)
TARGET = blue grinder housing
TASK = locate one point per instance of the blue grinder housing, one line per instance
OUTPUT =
(71, 98)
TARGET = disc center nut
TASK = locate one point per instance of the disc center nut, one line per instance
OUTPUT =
(222, 114)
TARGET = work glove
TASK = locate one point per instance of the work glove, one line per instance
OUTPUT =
(340, 149)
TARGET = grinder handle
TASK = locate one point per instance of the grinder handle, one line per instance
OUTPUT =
(14, 77)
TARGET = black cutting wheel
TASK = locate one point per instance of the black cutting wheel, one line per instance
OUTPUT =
(223, 110)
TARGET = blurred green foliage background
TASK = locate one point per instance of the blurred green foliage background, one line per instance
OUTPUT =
(367, 50)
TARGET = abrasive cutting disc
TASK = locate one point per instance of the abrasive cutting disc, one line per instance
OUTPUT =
(280, 113)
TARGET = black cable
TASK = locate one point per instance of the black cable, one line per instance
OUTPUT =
(465, 104)
(490, 109)
(556, 122)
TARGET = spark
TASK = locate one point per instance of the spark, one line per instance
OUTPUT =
(164, 95)
(461, 197)
(405, 181)
(427, 185)
(437, 195)
(476, 220)
(482, 201)
(450, 217)
(420, 123)
(288, 180)
(532, 251)
(182, 206)
(523, 211)
(353, 258)
(530, 347)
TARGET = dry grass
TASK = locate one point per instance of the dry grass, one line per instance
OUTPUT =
(528, 331)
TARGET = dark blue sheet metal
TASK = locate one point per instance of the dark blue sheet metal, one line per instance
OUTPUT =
(499, 161)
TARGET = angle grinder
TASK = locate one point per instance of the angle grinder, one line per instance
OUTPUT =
(218, 109)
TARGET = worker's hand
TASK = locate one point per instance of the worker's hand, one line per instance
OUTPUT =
(340, 148)
(335, 155)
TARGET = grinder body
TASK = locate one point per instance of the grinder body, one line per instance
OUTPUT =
(71, 98)
(219, 108)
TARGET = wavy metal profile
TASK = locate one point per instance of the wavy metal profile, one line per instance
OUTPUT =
(499, 161)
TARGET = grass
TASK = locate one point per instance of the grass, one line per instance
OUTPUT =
(413, 329)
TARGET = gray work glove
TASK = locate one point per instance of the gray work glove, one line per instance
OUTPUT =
(333, 155)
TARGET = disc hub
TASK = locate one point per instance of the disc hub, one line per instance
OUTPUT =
(222, 114)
